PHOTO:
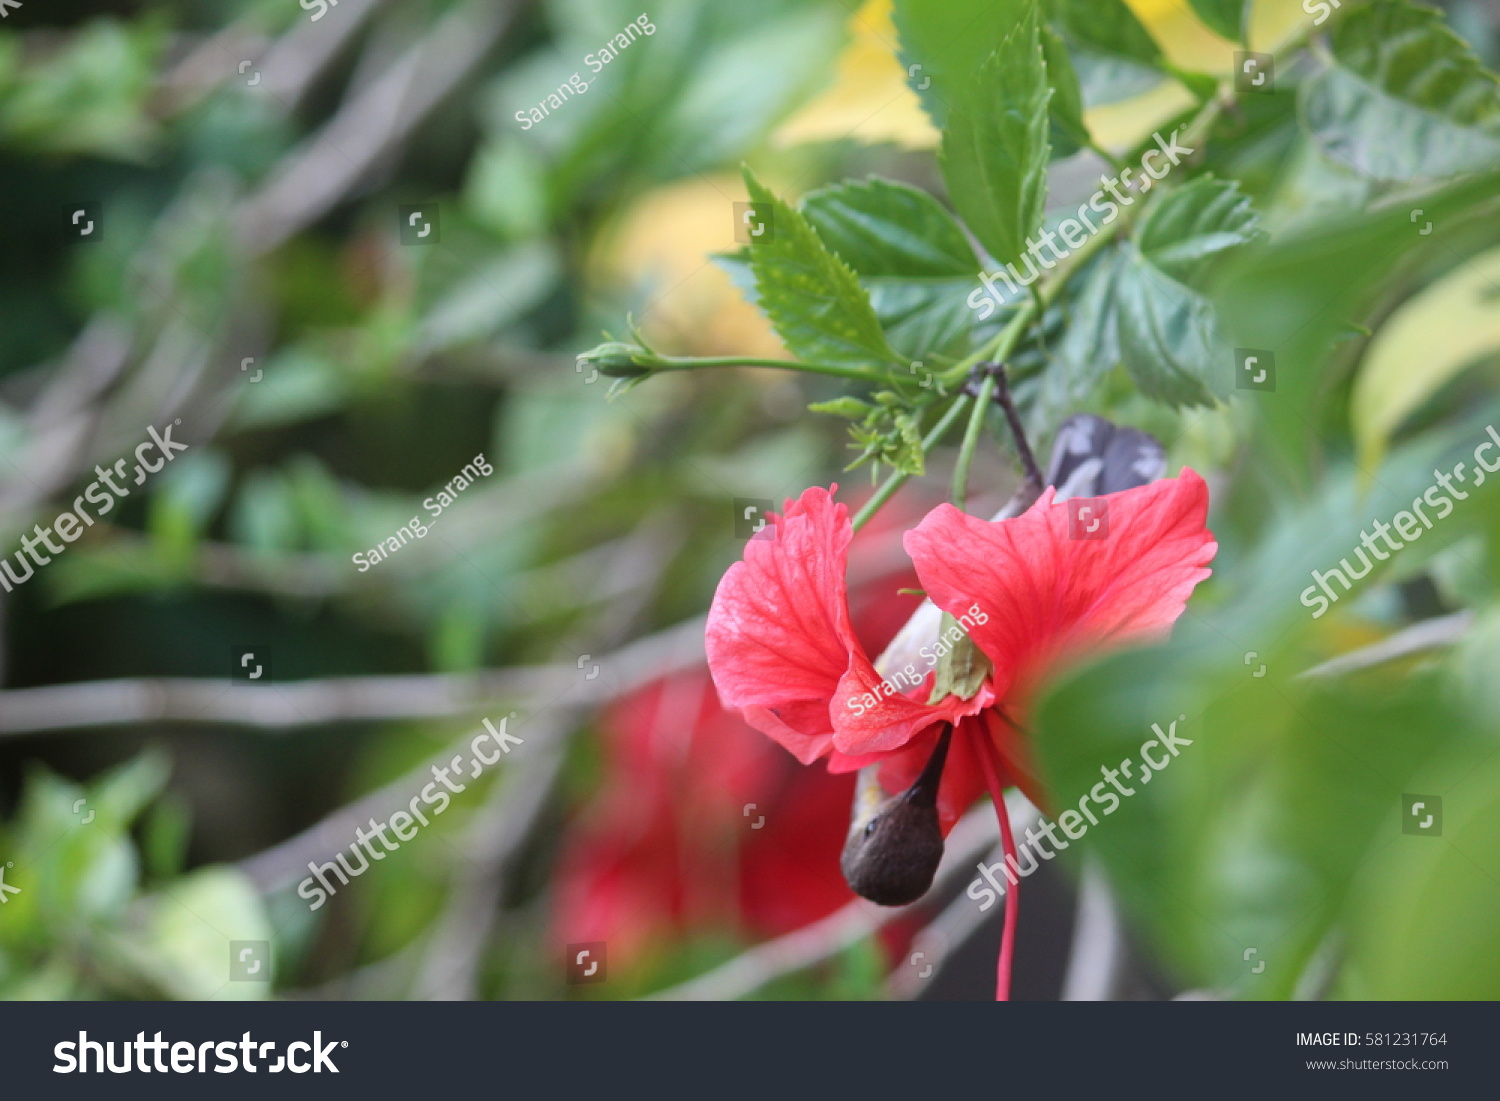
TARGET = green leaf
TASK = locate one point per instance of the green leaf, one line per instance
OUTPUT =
(694, 93)
(1114, 54)
(186, 938)
(88, 95)
(1077, 360)
(962, 668)
(910, 255)
(1187, 228)
(812, 298)
(1402, 97)
(944, 42)
(1252, 834)
(1169, 337)
(1225, 18)
(881, 228)
(1069, 132)
(1300, 293)
(1424, 926)
(995, 151)
(122, 793)
(298, 384)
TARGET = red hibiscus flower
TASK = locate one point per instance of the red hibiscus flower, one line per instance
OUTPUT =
(783, 653)
(667, 847)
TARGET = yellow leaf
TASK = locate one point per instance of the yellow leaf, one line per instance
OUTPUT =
(659, 253)
(1182, 37)
(1425, 344)
(869, 100)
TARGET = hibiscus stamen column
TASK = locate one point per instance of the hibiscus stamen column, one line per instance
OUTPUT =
(987, 760)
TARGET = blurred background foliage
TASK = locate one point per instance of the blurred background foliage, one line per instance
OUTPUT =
(250, 280)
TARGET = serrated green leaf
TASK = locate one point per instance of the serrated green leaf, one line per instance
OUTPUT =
(943, 43)
(1169, 339)
(1225, 18)
(1196, 223)
(881, 228)
(1086, 351)
(1113, 53)
(995, 151)
(814, 301)
(1402, 97)
(1139, 305)
(910, 255)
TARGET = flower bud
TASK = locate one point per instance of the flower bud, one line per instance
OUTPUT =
(617, 360)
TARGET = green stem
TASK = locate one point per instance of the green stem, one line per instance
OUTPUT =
(1003, 343)
(693, 363)
(1117, 163)
(960, 491)
(897, 479)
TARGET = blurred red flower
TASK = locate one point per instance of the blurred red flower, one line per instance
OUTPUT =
(699, 822)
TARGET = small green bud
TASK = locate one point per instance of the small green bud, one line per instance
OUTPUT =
(617, 360)
(852, 408)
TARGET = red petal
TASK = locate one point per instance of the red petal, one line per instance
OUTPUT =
(778, 635)
(871, 715)
(1045, 595)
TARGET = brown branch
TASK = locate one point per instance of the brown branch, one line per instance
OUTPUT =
(450, 966)
(455, 944)
(345, 699)
(283, 864)
(372, 125)
(324, 700)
